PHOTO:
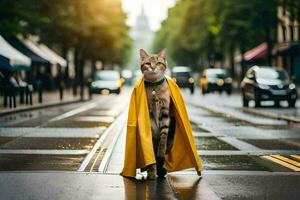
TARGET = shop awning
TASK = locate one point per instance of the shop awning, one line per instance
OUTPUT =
(34, 47)
(258, 53)
(44, 52)
(35, 58)
(11, 58)
(58, 59)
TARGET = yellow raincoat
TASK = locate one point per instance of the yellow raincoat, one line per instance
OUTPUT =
(139, 151)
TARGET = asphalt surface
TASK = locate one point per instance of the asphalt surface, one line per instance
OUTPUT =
(56, 138)
(245, 156)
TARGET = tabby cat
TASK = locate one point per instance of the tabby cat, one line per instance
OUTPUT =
(153, 68)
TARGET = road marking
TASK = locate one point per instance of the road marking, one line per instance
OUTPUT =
(283, 163)
(297, 164)
(43, 151)
(117, 123)
(296, 156)
(71, 113)
(108, 154)
(246, 153)
(52, 132)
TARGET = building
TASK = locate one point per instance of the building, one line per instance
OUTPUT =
(287, 48)
(142, 37)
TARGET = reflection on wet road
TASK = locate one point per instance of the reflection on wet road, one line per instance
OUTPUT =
(57, 138)
(229, 139)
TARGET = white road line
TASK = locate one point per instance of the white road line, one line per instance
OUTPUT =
(52, 132)
(250, 153)
(43, 151)
(106, 159)
(117, 123)
(71, 113)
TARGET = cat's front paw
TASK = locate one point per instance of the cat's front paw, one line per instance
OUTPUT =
(151, 172)
(151, 176)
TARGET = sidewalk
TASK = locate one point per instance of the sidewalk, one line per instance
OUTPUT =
(49, 99)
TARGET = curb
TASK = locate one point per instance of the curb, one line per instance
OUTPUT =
(17, 110)
(271, 115)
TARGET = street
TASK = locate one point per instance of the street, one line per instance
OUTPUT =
(241, 152)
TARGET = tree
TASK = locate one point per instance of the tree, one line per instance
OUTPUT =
(197, 30)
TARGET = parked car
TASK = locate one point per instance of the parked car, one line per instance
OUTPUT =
(262, 83)
(106, 81)
(182, 75)
(215, 80)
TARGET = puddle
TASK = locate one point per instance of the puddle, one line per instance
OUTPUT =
(13, 162)
(212, 143)
(235, 162)
(280, 144)
(50, 143)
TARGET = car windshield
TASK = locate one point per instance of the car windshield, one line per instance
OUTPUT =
(106, 76)
(216, 74)
(272, 75)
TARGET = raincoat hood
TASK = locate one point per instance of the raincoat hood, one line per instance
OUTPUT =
(139, 152)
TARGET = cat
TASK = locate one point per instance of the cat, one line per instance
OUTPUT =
(153, 68)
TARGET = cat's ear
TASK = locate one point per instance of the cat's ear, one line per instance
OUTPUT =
(163, 54)
(143, 54)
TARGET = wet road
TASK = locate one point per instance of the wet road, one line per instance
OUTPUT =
(245, 156)
(57, 138)
(230, 139)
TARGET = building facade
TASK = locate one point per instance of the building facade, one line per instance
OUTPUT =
(287, 49)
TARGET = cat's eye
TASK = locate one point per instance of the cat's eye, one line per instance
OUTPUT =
(160, 63)
(147, 64)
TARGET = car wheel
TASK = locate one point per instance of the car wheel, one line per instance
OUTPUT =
(192, 89)
(228, 92)
(245, 101)
(257, 102)
(277, 103)
(292, 103)
(118, 91)
(203, 91)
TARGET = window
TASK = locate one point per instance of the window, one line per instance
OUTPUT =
(292, 32)
(283, 33)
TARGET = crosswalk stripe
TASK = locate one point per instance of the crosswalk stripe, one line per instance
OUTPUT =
(297, 164)
(296, 156)
(278, 161)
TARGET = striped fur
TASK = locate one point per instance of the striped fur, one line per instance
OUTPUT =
(153, 68)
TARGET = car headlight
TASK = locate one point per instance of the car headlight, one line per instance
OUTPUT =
(264, 87)
(191, 80)
(220, 82)
(292, 86)
(228, 80)
(120, 82)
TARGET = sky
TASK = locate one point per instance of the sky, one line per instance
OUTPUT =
(155, 10)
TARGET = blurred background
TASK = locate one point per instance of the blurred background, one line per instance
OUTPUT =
(65, 45)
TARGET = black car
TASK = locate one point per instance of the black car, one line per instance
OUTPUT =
(263, 83)
(215, 80)
(183, 77)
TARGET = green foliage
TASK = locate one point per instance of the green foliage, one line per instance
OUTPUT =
(196, 29)
(95, 28)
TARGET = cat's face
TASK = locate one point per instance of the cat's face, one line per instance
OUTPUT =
(153, 66)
